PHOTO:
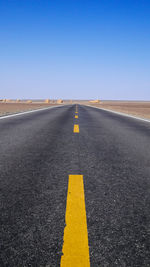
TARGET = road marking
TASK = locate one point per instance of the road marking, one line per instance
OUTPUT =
(76, 116)
(75, 247)
(76, 128)
(76, 112)
(27, 112)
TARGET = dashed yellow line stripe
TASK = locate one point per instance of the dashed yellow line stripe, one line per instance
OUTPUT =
(76, 128)
(75, 247)
(76, 116)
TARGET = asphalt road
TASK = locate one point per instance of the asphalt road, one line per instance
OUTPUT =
(37, 153)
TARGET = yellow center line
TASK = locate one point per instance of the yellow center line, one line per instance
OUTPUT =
(76, 128)
(76, 116)
(75, 247)
(76, 112)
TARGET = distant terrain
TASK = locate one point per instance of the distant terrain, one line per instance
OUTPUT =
(135, 108)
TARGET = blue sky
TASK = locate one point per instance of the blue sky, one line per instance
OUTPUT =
(76, 49)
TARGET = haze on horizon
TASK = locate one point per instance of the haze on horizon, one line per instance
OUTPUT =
(75, 49)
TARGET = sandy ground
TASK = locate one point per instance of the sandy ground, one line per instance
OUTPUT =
(10, 108)
(138, 109)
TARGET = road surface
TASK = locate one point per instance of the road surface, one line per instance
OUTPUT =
(109, 153)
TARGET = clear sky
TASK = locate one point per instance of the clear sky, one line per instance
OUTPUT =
(76, 49)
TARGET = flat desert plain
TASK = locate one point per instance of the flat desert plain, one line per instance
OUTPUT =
(139, 109)
(136, 108)
(11, 108)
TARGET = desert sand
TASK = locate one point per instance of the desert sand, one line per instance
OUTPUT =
(136, 108)
(7, 108)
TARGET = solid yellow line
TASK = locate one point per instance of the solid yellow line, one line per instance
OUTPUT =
(75, 247)
(76, 128)
(76, 116)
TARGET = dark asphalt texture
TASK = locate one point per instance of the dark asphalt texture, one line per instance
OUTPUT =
(37, 153)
